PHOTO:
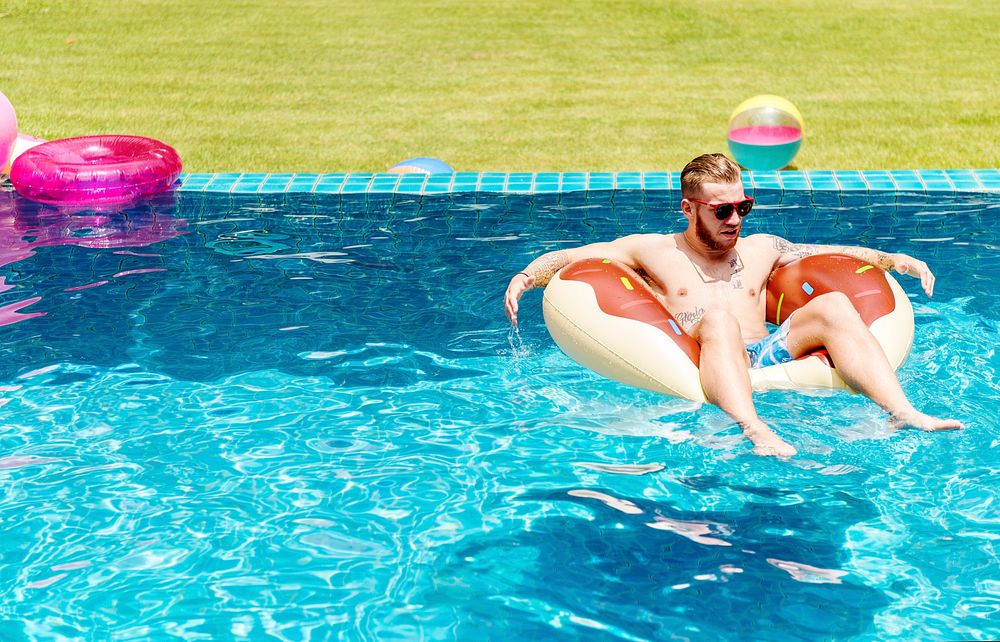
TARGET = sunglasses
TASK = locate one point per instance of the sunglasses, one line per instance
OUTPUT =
(723, 211)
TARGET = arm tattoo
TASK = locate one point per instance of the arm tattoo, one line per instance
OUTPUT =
(545, 267)
(883, 260)
(793, 249)
(688, 319)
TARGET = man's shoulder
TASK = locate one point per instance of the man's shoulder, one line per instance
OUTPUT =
(648, 240)
(762, 247)
(761, 239)
(764, 243)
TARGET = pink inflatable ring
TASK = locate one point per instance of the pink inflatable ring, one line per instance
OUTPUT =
(95, 170)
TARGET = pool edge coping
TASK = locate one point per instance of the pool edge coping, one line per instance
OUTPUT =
(963, 180)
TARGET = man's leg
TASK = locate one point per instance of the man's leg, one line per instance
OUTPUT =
(831, 321)
(726, 382)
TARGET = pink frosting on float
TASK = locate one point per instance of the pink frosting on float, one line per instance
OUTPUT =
(765, 135)
(95, 170)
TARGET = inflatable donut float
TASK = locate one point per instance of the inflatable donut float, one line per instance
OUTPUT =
(604, 316)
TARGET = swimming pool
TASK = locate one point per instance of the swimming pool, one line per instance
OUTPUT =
(302, 416)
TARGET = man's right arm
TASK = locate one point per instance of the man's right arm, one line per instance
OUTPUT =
(539, 272)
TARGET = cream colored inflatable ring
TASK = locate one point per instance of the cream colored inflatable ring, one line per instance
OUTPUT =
(606, 318)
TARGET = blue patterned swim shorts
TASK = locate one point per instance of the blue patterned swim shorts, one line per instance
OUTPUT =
(772, 349)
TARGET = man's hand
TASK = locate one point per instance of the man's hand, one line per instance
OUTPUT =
(905, 264)
(518, 285)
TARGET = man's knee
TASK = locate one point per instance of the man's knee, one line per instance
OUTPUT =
(833, 308)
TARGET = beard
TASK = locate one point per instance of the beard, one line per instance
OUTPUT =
(712, 243)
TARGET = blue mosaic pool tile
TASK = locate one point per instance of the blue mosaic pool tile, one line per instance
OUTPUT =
(628, 180)
(600, 183)
(356, 184)
(600, 180)
(967, 180)
(328, 187)
(194, 182)
(850, 180)
(491, 186)
(907, 180)
(411, 184)
(222, 182)
(519, 182)
(248, 184)
(765, 180)
(466, 182)
(436, 188)
(823, 180)
(303, 181)
(656, 181)
(794, 180)
(275, 184)
(384, 183)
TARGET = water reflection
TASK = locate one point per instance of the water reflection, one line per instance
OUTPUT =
(26, 226)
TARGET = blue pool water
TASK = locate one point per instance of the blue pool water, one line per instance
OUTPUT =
(305, 418)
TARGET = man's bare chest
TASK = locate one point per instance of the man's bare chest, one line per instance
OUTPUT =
(684, 285)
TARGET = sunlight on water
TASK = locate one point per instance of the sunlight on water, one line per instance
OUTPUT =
(308, 419)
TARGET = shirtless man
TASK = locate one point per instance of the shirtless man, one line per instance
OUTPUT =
(713, 282)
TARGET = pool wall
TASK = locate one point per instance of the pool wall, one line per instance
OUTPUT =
(944, 180)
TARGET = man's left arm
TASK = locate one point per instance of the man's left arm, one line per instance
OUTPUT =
(901, 263)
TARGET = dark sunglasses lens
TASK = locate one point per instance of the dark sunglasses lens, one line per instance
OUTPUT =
(724, 211)
(744, 207)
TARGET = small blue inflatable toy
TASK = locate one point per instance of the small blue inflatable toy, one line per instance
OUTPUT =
(422, 165)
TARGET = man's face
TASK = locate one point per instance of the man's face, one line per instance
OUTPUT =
(717, 235)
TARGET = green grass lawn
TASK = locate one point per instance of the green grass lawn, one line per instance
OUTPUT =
(518, 85)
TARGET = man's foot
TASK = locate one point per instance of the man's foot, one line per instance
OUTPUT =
(766, 442)
(920, 421)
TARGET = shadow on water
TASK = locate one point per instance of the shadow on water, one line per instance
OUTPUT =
(635, 569)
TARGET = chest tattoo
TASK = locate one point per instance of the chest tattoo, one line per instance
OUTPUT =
(688, 319)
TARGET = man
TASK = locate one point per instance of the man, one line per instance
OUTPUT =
(713, 282)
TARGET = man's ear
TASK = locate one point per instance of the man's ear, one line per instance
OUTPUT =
(686, 209)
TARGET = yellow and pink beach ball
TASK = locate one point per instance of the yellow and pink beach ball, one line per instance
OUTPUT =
(765, 133)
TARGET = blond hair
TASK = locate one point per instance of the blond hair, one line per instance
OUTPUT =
(707, 168)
